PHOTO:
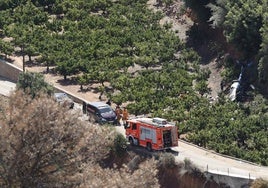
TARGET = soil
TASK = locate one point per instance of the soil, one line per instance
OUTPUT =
(89, 93)
(174, 15)
(214, 80)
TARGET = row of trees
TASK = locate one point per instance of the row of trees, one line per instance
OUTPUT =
(113, 38)
(99, 41)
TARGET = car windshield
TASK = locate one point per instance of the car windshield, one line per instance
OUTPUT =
(104, 110)
(60, 96)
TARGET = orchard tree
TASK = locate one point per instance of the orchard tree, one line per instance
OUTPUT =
(47, 4)
(26, 19)
(67, 66)
(27, 13)
(48, 48)
(6, 48)
(5, 18)
(21, 34)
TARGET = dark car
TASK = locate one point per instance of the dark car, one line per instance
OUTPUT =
(63, 99)
(99, 112)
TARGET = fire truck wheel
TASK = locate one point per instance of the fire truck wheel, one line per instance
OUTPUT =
(149, 146)
(131, 141)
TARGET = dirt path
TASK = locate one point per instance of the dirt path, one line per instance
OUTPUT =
(214, 80)
(57, 80)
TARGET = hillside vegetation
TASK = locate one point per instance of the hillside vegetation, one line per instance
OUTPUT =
(49, 146)
(100, 41)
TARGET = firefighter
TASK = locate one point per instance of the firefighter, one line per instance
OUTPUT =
(109, 102)
(125, 116)
(118, 112)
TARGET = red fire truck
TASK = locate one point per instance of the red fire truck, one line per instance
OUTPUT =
(152, 133)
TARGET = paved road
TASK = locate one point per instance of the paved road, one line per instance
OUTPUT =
(205, 160)
(6, 87)
(215, 163)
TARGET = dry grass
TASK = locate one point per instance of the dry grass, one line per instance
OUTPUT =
(3, 106)
(259, 183)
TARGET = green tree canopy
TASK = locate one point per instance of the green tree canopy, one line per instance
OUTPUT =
(242, 26)
(33, 84)
(263, 56)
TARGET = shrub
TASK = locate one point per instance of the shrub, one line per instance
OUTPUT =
(120, 145)
(33, 84)
(44, 144)
(190, 167)
(259, 183)
(167, 161)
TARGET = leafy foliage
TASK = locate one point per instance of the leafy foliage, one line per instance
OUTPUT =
(120, 45)
(218, 12)
(33, 84)
(259, 183)
(244, 25)
(120, 145)
(239, 26)
(6, 48)
(238, 131)
(44, 144)
(263, 65)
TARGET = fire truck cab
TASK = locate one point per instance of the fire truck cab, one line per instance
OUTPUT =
(152, 133)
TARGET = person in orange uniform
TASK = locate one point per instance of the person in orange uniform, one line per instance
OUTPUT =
(118, 112)
(125, 116)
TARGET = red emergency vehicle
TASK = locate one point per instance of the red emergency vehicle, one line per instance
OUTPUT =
(152, 133)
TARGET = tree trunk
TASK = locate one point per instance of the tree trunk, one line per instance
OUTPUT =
(23, 63)
(23, 59)
(47, 67)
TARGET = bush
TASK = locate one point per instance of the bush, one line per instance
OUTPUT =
(44, 144)
(202, 87)
(120, 145)
(190, 167)
(167, 161)
(33, 84)
(259, 183)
